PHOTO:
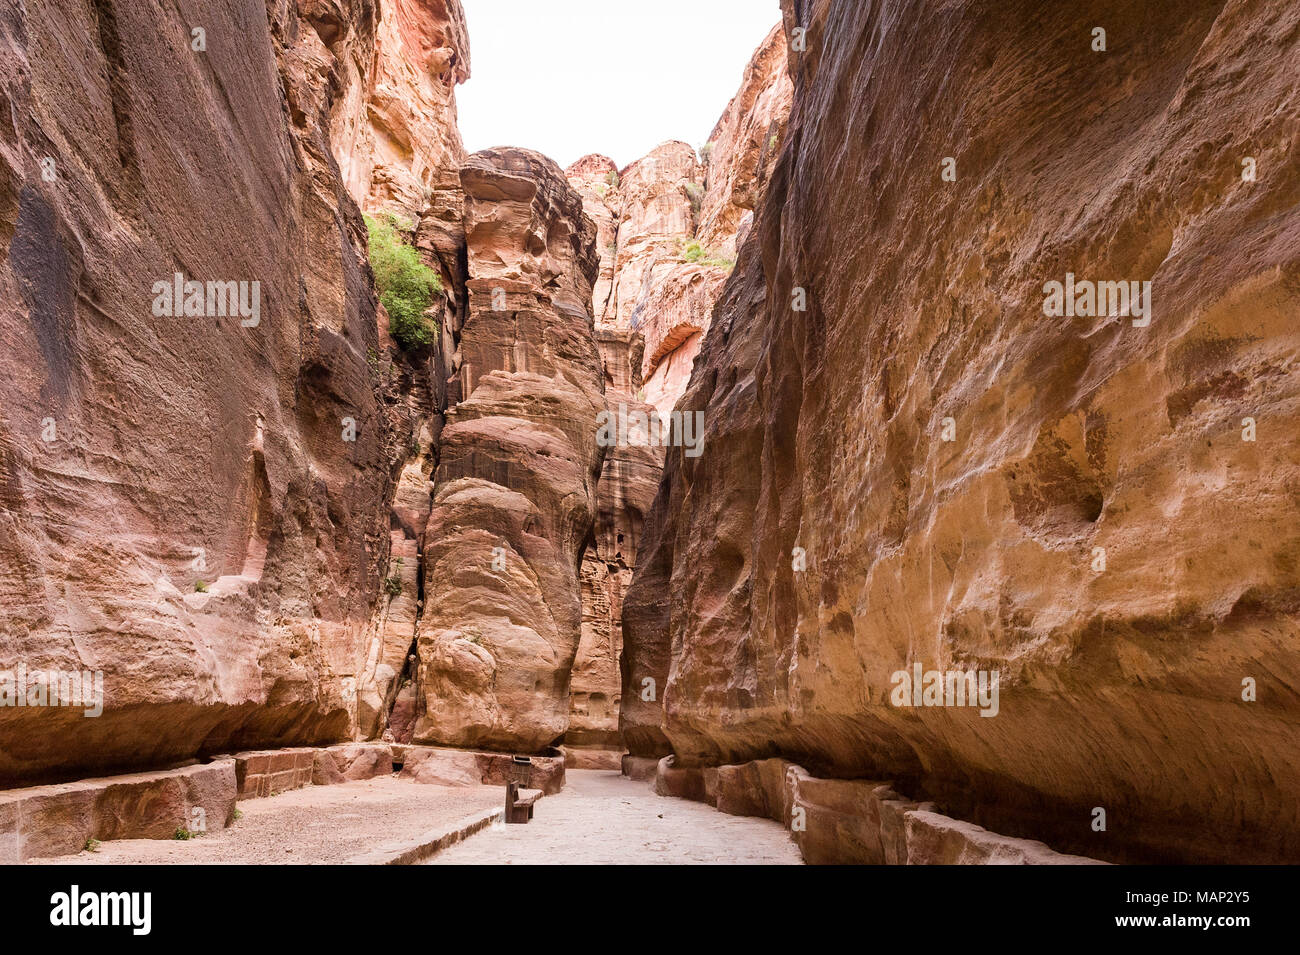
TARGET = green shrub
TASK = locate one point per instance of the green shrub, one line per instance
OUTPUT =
(406, 285)
(694, 251)
(182, 833)
(92, 845)
(200, 587)
(611, 177)
(705, 152)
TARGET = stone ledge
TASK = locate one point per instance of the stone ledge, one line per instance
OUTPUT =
(640, 767)
(266, 772)
(430, 842)
(261, 773)
(463, 767)
(348, 762)
(59, 819)
(849, 821)
(593, 757)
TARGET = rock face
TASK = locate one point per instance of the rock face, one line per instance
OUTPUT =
(407, 164)
(146, 454)
(409, 147)
(627, 487)
(742, 150)
(515, 485)
(652, 300)
(1079, 503)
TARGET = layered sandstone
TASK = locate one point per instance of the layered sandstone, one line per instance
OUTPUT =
(849, 821)
(743, 147)
(1103, 512)
(627, 486)
(652, 300)
(179, 505)
(415, 147)
(669, 223)
(518, 464)
(405, 162)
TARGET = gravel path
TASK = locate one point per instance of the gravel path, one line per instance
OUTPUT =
(604, 818)
(316, 824)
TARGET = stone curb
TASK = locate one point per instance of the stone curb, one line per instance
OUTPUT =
(404, 853)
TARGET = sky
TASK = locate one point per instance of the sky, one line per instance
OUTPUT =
(618, 77)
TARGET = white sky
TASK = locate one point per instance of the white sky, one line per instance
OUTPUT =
(571, 77)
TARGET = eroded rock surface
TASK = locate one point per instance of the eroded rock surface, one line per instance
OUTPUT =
(178, 508)
(653, 299)
(515, 485)
(627, 487)
(1121, 688)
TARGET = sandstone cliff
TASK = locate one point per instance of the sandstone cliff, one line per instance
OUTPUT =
(515, 484)
(627, 486)
(181, 505)
(406, 163)
(652, 300)
(1102, 511)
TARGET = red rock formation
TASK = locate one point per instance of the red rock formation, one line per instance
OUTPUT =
(743, 147)
(407, 163)
(144, 455)
(627, 486)
(194, 451)
(1077, 444)
(652, 304)
(518, 465)
(595, 178)
(396, 136)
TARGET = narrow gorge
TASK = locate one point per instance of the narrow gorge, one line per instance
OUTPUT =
(856, 459)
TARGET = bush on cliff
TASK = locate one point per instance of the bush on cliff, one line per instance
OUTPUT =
(695, 252)
(406, 285)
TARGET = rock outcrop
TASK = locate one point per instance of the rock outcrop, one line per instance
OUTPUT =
(179, 507)
(518, 464)
(742, 149)
(627, 486)
(926, 466)
(652, 300)
(409, 147)
(406, 164)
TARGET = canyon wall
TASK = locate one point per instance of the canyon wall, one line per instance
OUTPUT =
(182, 507)
(406, 165)
(658, 223)
(627, 486)
(518, 464)
(922, 467)
(201, 504)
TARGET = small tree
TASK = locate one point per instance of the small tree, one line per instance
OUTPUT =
(406, 285)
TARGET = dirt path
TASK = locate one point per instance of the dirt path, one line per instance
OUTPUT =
(604, 818)
(317, 824)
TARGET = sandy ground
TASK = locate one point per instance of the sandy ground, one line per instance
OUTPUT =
(602, 817)
(316, 824)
